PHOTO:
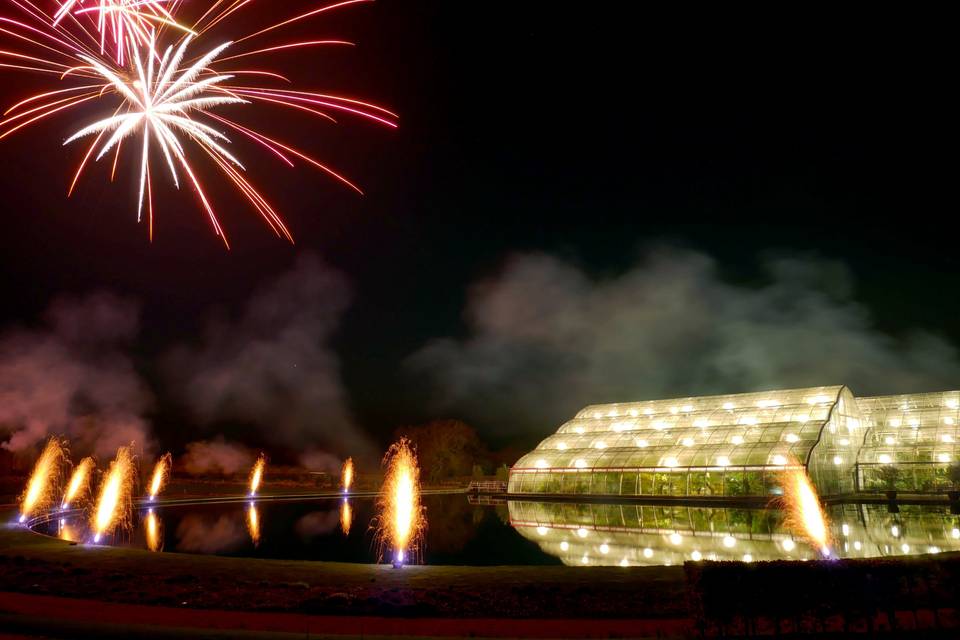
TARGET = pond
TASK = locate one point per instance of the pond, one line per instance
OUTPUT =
(462, 532)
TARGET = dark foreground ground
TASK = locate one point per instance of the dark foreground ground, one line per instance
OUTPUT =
(52, 588)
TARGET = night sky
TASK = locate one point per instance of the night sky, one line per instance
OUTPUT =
(584, 131)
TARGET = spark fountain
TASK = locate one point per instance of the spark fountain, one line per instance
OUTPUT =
(346, 475)
(401, 523)
(256, 474)
(44, 480)
(804, 514)
(114, 506)
(161, 473)
(79, 483)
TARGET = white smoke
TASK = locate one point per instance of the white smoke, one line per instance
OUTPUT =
(73, 377)
(545, 338)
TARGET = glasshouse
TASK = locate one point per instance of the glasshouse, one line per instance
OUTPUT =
(739, 445)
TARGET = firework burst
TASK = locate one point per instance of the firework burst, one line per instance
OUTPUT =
(401, 522)
(44, 482)
(179, 105)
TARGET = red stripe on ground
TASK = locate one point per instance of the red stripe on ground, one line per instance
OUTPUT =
(76, 610)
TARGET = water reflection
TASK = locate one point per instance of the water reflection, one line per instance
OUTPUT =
(630, 534)
(153, 531)
(346, 517)
(253, 524)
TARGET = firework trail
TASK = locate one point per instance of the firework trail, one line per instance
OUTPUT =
(120, 23)
(114, 507)
(79, 483)
(169, 86)
(44, 482)
(161, 473)
(805, 517)
(256, 474)
(401, 523)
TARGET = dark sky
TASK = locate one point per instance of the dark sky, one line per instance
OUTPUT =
(585, 130)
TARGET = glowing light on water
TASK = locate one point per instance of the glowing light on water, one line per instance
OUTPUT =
(44, 480)
(401, 522)
(805, 516)
(346, 475)
(153, 530)
(79, 482)
(346, 517)
(253, 524)
(114, 508)
(256, 474)
(161, 472)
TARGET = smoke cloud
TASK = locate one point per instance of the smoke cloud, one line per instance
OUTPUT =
(273, 367)
(72, 377)
(199, 534)
(216, 457)
(545, 338)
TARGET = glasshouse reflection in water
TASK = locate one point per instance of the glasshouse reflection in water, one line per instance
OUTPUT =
(635, 535)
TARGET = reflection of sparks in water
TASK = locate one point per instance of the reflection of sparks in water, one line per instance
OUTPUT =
(79, 482)
(115, 503)
(253, 524)
(346, 517)
(256, 474)
(66, 532)
(154, 530)
(804, 515)
(161, 471)
(400, 523)
(44, 480)
(347, 475)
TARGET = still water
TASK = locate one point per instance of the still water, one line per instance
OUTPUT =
(526, 533)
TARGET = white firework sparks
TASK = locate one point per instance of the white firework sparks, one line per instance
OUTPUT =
(160, 102)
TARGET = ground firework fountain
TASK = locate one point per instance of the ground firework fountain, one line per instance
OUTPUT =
(114, 508)
(161, 473)
(805, 516)
(400, 523)
(79, 483)
(346, 475)
(256, 474)
(44, 483)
